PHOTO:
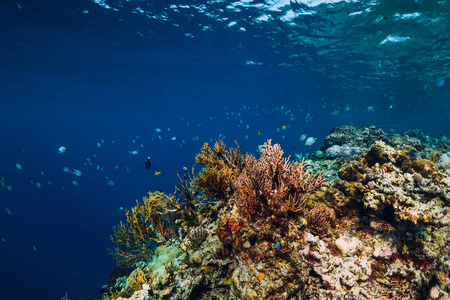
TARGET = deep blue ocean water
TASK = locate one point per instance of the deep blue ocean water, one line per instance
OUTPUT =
(100, 77)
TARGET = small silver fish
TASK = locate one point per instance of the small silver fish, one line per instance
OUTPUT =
(9, 210)
(309, 141)
(62, 149)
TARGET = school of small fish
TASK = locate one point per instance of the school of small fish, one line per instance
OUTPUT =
(255, 125)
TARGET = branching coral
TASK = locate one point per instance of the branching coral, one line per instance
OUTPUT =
(320, 218)
(221, 166)
(272, 185)
(137, 278)
(195, 238)
(148, 222)
(188, 189)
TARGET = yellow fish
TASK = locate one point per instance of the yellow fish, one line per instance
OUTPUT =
(158, 173)
(260, 133)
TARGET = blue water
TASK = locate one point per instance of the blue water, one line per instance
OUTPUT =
(74, 73)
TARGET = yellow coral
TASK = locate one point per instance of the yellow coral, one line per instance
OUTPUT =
(215, 181)
(147, 221)
(221, 167)
(206, 156)
(137, 278)
(435, 156)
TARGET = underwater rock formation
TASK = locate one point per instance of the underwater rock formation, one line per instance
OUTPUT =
(270, 228)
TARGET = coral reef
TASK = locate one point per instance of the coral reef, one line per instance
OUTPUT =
(271, 228)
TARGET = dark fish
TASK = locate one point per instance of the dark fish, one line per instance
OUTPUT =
(413, 154)
(148, 163)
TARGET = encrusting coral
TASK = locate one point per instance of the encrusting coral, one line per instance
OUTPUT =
(270, 228)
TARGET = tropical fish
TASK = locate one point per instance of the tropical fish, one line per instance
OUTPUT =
(260, 133)
(440, 83)
(77, 172)
(148, 163)
(370, 108)
(158, 173)
(74, 182)
(62, 149)
(19, 166)
(134, 152)
(173, 138)
(303, 137)
(36, 184)
(309, 141)
(157, 129)
(109, 182)
(3, 180)
(9, 210)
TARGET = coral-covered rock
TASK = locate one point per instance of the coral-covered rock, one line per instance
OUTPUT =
(382, 230)
(353, 136)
